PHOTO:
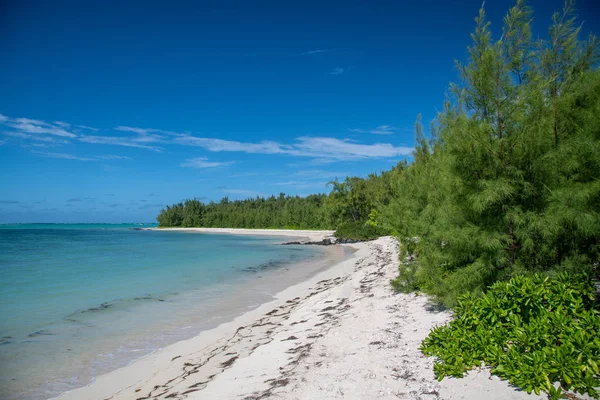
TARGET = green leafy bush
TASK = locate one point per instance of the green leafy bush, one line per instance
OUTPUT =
(358, 231)
(533, 331)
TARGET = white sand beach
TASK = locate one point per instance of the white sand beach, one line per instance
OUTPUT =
(343, 334)
(309, 235)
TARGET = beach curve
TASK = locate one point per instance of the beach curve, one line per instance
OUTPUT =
(342, 334)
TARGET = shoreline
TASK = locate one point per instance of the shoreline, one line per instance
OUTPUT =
(341, 334)
(322, 264)
(309, 235)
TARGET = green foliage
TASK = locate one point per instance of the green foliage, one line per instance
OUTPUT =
(353, 206)
(509, 182)
(533, 331)
(272, 212)
(358, 231)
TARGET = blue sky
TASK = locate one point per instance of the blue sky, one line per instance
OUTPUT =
(110, 111)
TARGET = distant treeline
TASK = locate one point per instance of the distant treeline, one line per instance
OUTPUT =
(507, 182)
(350, 203)
(271, 212)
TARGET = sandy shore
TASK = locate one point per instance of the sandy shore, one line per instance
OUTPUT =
(308, 235)
(343, 334)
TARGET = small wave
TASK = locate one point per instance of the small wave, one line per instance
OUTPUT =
(111, 304)
(41, 332)
(269, 265)
(5, 340)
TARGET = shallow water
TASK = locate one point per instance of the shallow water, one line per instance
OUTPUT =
(79, 301)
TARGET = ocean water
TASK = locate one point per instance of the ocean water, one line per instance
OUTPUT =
(77, 301)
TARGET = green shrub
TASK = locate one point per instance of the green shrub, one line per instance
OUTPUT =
(358, 231)
(533, 331)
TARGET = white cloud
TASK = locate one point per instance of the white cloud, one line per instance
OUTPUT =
(322, 148)
(380, 130)
(117, 141)
(112, 157)
(34, 127)
(318, 149)
(149, 138)
(86, 127)
(313, 52)
(202, 162)
(131, 129)
(44, 145)
(63, 156)
(66, 156)
(31, 121)
(265, 147)
(22, 135)
(142, 131)
(242, 192)
(290, 183)
(300, 184)
(337, 71)
(318, 174)
(39, 127)
(66, 125)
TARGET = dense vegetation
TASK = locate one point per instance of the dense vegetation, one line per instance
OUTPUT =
(273, 212)
(532, 331)
(352, 203)
(506, 187)
(510, 182)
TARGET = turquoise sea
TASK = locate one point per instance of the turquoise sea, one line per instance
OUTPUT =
(77, 301)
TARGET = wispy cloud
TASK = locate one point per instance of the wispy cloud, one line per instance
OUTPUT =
(318, 174)
(63, 156)
(112, 157)
(319, 149)
(202, 162)
(66, 156)
(118, 141)
(131, 129)
(313, 52)
(9, 202)
(315, 147)
(28, 128)
(44, 145)
(66, 125)
(264, 147)
(74, 199)
(380, 130)
(143, 131)
(243, 192)
(337, 71)
(345, 149)
(289, 183)
(151, 205)
(37, 128)
(301, 184)
(21, 135)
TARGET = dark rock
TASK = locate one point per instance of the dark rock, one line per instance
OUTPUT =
(325, 242)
